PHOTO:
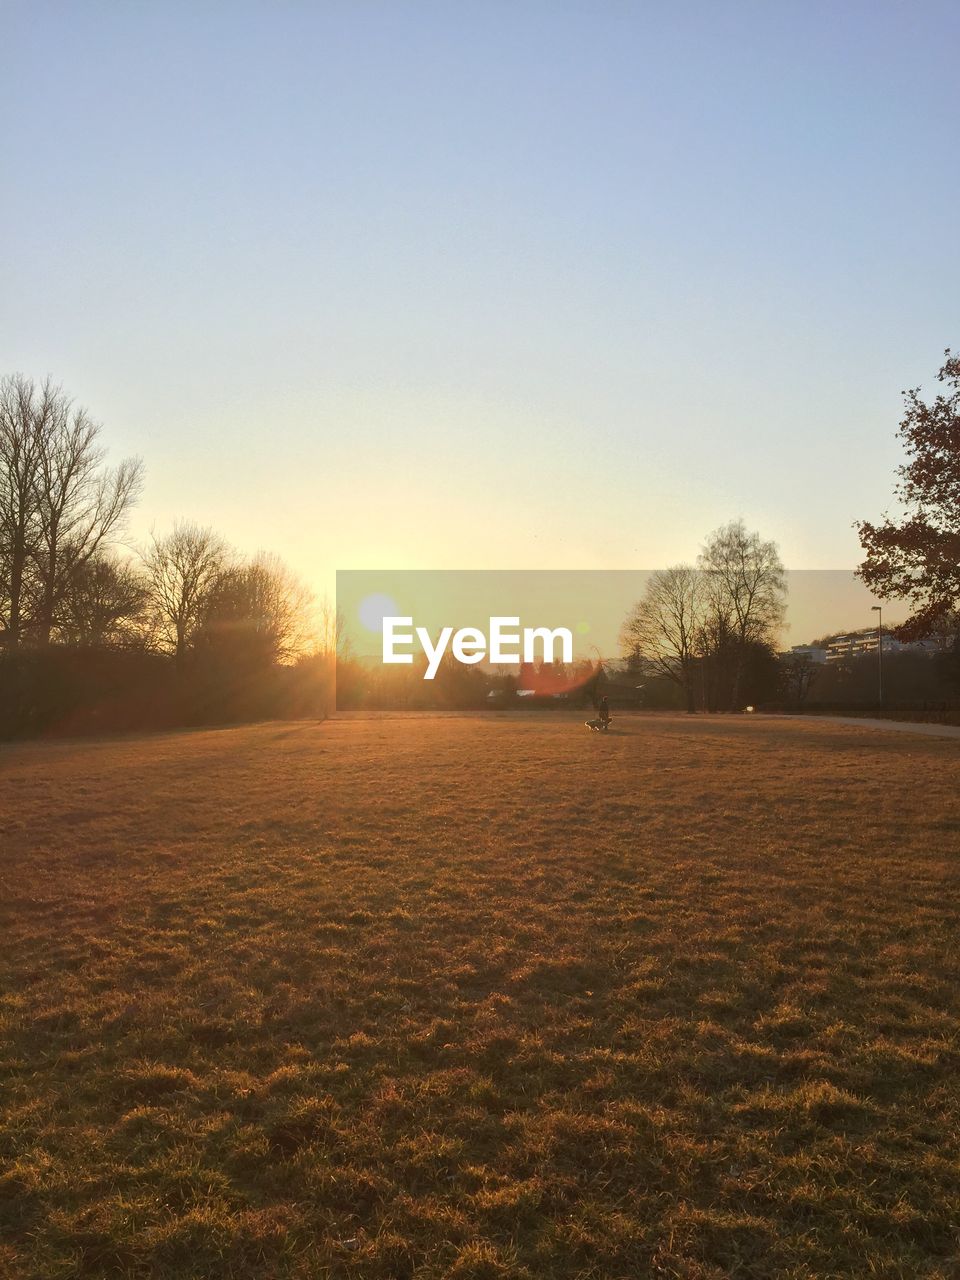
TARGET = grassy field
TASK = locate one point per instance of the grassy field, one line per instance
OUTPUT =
(481, 997)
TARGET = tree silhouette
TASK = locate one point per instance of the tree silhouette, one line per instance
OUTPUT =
(59, 505)
(917, 557)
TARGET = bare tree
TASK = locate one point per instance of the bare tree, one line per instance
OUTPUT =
(258, 609)
(745, 591)
(80, 503)
(23, 408)
(316, 669)
(329, 632)
(105, 604)
(182, 568)
(800, 673)
(663, 626)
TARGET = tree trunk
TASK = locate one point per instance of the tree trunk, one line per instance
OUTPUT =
(18, 564)
(49, 597)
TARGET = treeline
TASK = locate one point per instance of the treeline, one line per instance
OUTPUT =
(94, 636)
(709, 631)
(916, 685)
(374, 686)
(909, 679)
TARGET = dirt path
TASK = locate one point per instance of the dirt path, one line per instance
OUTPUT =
(903, 726)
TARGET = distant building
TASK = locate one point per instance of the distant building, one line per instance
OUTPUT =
(812, 652)
(860, 643)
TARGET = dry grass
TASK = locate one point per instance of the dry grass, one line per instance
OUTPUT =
(481, 998)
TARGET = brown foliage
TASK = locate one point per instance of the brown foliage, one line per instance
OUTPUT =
(917, 557)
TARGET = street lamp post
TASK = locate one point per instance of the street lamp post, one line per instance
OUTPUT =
(878, 610)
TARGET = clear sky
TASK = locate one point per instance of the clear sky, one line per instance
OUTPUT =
(518, 285)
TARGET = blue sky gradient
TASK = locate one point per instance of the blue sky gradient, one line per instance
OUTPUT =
(501, 285)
